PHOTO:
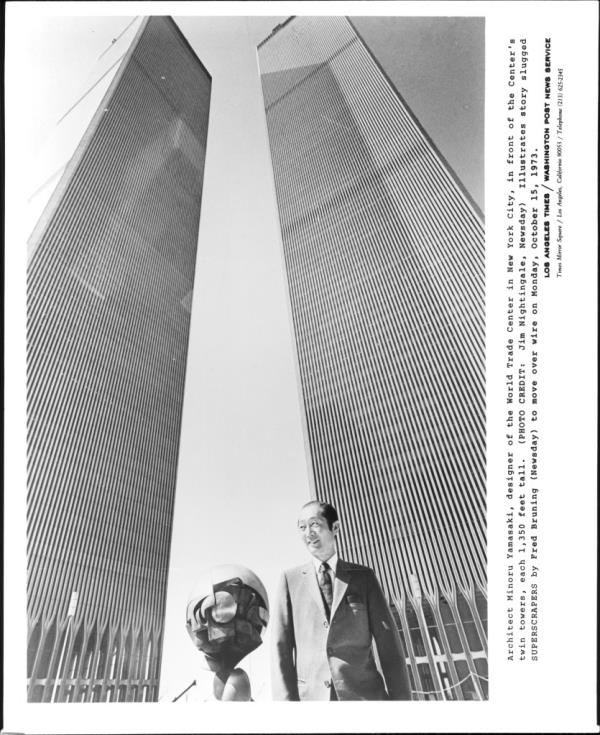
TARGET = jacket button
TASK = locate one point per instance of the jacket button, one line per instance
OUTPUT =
(327, 683)
(330, 651)
(325, 624)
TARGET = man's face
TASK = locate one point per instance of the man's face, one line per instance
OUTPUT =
(316, 534)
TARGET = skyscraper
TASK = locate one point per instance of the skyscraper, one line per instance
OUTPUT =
(110, 285)
(384, 253)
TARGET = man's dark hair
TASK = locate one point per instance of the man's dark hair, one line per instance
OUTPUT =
(327, 511)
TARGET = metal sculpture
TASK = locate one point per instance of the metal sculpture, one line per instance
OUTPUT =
(226, 618)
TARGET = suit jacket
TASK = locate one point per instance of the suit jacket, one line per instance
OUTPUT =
(310, 653)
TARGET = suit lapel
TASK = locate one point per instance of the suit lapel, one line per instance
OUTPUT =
(341, 585)
(309, 578)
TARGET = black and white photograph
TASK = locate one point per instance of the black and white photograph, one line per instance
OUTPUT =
(281, 371)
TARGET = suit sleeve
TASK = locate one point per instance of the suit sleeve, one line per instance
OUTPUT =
(284, 681)
(387, 640)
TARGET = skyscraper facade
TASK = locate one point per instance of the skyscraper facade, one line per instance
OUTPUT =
(110, 284)
(384, 253)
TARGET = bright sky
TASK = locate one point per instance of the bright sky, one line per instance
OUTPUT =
(438, 66)
(242, 471)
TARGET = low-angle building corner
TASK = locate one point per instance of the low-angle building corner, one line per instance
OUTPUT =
(109, 290)
(384, 253)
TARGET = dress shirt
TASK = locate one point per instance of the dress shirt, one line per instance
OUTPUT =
(332, 561)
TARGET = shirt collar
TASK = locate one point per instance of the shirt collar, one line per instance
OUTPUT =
(332, 561)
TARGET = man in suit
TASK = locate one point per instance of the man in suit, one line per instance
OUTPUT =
(327, 617)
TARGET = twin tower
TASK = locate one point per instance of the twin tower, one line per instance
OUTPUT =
(384, 257)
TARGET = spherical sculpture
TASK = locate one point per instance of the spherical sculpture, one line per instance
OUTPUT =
(226, 617)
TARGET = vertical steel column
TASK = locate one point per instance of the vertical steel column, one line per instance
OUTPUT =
(433, 599)
(399, 602)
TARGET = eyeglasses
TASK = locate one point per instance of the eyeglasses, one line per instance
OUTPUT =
(316, 524)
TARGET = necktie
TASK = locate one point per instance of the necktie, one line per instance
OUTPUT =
(326, 586)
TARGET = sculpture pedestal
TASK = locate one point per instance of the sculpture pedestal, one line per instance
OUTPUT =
(232, 688)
